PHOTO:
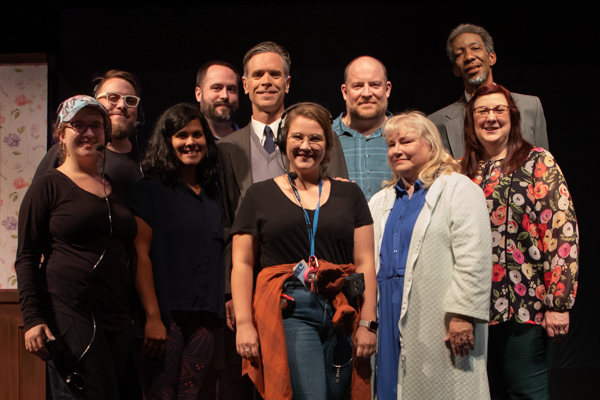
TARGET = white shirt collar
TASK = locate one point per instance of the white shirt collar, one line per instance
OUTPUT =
(259, 129)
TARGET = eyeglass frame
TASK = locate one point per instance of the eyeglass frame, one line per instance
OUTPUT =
(495, 110)
(122, 96)
(87, 126)
(313, 146)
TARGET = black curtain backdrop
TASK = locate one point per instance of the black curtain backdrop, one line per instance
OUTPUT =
(547, 49)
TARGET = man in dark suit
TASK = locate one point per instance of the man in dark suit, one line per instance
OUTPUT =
(471, 52)
(250, 155)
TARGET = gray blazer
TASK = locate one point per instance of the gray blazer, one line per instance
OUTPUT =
(236, 177)
(450, 122)
(236, 167)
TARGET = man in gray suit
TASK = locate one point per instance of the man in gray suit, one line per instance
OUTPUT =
(250, 155)
(471, 52)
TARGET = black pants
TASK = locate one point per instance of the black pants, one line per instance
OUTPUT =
(96, 375)
(518, 361)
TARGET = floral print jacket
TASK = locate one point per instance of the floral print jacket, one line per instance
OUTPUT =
(534, 239)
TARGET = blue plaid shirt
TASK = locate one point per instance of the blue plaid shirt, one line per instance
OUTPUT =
(366, 157)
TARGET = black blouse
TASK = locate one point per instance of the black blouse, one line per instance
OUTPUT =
(279, 225)
(187, 245)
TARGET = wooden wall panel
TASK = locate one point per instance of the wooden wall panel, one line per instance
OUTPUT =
(22, 375)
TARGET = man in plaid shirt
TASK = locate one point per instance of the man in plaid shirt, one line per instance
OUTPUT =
(366, 90)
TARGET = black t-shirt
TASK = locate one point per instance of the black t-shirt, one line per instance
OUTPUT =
(122, 168)
(70, 227)
(280, 227)
(187, 245)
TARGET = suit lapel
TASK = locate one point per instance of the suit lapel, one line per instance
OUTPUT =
(242, 164)
(456, 116)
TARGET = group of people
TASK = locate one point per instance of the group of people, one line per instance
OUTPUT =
(324, 258)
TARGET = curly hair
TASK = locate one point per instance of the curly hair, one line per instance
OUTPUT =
(440, 161)
(160, 158)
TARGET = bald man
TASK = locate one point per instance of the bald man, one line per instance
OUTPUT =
(366, 90)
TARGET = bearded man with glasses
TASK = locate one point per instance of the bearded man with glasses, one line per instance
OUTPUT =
(119, 92)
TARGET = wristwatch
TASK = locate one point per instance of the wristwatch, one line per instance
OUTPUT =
(370, 325)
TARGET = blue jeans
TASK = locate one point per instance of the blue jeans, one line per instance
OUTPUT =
(315, 349)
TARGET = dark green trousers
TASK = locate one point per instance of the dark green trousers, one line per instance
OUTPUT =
(518, 361)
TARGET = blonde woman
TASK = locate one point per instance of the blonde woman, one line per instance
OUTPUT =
(432, 244)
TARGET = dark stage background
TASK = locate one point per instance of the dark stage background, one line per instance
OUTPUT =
(544, 49)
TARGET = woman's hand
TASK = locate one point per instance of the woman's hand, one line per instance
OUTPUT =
(155, 340)
(460, 335)
(556, 324)
(230, 315)
(35, 340)
(246, 341)
(365, 343)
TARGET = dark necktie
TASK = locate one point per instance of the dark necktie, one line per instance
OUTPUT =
(269, 143)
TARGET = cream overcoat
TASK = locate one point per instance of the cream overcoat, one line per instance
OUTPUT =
(448, 272)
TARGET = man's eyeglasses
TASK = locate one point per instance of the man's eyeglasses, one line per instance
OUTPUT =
(484, 111)
(81, 127)
(113, 98)
(314, 141)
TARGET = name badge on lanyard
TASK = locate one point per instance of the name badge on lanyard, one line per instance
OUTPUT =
(307, 273)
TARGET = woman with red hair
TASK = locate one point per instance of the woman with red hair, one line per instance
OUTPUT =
(534, 244)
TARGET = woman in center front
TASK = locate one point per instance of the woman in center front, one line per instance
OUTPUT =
(303, 216)
(432, 237)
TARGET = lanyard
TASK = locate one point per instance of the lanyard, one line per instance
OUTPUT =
(312, 227)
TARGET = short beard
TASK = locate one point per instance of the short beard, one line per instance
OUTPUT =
(122, 131)
(374, 113)
(210, 112)
(477, 81)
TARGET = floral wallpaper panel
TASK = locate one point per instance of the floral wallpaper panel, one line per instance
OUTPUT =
(23, 134)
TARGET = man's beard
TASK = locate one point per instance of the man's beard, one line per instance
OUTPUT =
(209, 110)
(122, 131)
(477, 81)
(372, 113)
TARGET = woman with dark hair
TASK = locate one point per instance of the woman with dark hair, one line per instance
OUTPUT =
(180, 275)
(309, 233)
(534, 239)
(75, 304)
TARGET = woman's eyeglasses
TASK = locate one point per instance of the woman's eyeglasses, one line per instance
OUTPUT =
(484, 111)
(81, 127)
(314, 141)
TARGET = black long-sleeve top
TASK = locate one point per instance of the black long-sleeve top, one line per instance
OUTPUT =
(70, 228)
